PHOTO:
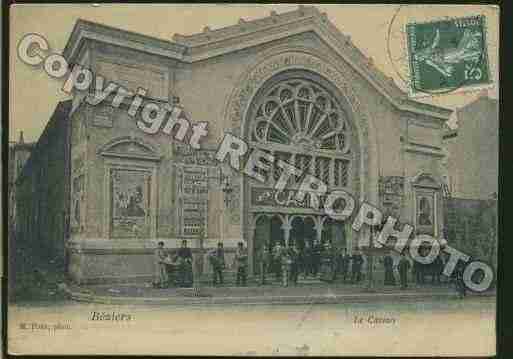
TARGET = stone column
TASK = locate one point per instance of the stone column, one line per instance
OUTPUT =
(286, 234)
(251, 245)
(339, 235)
(318, 230)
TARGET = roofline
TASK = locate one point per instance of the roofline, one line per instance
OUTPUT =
(312, 20)
(85, 29)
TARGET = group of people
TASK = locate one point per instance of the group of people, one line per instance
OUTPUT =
(313, 259)
(420, 272)
(286, 263)
(218, 263)
(402, 267)
(178, 270)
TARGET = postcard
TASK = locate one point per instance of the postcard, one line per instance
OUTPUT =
(253, 179)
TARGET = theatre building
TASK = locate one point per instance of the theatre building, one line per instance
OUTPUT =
(290, 84)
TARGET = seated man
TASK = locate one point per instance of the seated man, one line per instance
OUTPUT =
(184, 259)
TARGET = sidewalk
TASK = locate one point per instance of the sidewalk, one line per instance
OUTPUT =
(304, 293)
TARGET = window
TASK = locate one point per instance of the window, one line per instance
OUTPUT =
(305, 125)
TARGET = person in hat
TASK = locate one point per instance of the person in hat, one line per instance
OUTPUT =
(344, 265)
(216, 259)
(356, 269)
(388, 263)
(266, 260)
(184, 259)
(161, 276)
(403, 267)
(241, 264)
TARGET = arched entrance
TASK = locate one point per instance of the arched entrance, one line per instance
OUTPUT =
(300, 117)
(302, 230)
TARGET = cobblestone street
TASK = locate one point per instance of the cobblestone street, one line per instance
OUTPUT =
(332, 329)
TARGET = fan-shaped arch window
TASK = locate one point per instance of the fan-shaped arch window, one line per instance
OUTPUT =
(300, 112)
(301, 122)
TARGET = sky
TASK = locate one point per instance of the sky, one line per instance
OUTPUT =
(34, 95)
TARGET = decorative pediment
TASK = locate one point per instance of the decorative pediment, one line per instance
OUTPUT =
(425, 180)
(130, 147)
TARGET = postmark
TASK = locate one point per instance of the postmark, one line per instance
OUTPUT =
(447, 55)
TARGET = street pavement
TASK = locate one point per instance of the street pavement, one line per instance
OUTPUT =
(303, 293)
(427, 327)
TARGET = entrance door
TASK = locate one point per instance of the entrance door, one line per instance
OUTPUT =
(302, 230)
(268, 230)
(276, 232)
(334, 232)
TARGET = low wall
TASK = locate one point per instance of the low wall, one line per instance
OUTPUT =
(98, 261)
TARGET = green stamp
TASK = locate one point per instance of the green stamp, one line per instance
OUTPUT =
(447, 55)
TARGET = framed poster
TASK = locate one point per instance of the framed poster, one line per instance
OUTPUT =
(130, 203)
(193, 194)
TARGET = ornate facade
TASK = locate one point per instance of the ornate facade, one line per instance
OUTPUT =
(289, 84)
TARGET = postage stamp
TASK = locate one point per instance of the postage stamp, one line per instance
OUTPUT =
(448, 55)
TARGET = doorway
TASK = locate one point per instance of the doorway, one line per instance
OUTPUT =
(302, 230)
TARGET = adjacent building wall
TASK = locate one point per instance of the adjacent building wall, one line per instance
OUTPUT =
(473, 162)
(42, 199)
(473, 177)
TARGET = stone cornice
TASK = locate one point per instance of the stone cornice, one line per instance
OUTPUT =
(424, 150)
(211, 43)
(88, 30)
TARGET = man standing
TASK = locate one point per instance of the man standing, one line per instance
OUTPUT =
(278, 253)
(344, 263)
(327, 268)
(458, 278)
(294, 266)
(161, 277)
(216, 257)
(438, 267)
(403, 266)
(185, 265)
(316, 257)
(388, 263)
(357, 267)
(418, 269)
(241, 263)
(286, 266)
(265, 262)
(306, 259)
